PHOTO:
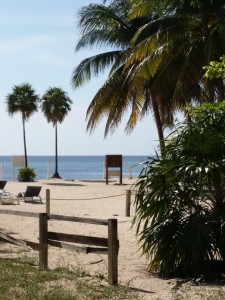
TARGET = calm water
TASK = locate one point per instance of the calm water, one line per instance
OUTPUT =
(70, 167)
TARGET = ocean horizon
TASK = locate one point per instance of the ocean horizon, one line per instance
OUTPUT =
(71, 167)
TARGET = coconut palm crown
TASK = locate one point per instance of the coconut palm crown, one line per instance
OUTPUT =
(108, 26)
(24, 100)
(158, 50)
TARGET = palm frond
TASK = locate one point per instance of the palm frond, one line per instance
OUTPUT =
(94, 16)
(104, 38)
(93, 66)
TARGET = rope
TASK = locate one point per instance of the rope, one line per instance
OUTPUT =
(78, 199)
(94, 168)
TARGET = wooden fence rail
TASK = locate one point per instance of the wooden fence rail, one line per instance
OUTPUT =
(108, 245)
(79, 219)
(19, 213)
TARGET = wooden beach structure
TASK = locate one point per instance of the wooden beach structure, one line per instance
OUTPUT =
(115, 162)
(90, 244)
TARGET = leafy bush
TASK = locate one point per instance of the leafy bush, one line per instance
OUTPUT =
(180, 207)
(26, 174)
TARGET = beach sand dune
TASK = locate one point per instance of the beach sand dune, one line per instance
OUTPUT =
(93, 199)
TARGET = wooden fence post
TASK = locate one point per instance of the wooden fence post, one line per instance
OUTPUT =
(48, 202)
(130, 171)
(43, 241)
(128, 200)
(112, 252)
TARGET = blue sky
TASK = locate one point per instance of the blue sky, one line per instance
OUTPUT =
(37, 43)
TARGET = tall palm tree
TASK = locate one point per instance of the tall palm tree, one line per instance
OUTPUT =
(24, 100)
(55, 105)
(108, 25)
(159, 64)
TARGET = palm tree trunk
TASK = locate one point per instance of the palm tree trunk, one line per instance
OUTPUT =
(24, 141)
(56, 174)
(158, 123)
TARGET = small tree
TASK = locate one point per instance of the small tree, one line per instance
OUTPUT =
(23, 99)
(55, 106)
(26, 174)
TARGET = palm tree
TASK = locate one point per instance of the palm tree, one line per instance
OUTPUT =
(55, 105)
(109, 26)
(173, 48)
(170, 51)
(24, 100)
(163, 47)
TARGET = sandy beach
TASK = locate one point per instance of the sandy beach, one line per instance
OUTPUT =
(93, 199)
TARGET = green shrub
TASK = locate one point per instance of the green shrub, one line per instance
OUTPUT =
(26, 174)
(180, 207)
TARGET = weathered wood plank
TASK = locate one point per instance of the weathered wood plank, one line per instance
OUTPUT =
(12, 240)
(79, 219)
(22, 243)
(56, 217)
(99, 250)
(79, 239)
(80, 249)
(19, 213)
(32, 245)
(67, 246)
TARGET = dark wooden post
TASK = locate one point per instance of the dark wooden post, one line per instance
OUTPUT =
(106, 172)
(43, 241)
(112, 252)
(128, 200)
(48, 202)
(121, 173)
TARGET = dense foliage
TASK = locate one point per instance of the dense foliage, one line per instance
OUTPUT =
(180, 205)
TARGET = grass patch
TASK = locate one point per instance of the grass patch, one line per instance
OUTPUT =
(23, 280)
(199, 294)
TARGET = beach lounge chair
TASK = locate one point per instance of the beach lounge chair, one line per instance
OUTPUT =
(7, 197)
(31, 194)
(2, 184)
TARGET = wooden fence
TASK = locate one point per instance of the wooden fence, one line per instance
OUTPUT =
(101, 245)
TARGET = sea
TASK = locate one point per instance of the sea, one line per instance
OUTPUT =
(71, 167)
